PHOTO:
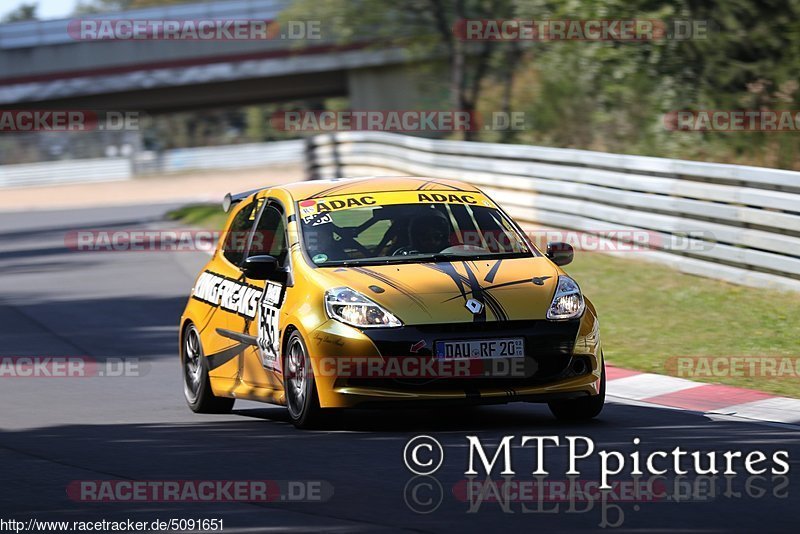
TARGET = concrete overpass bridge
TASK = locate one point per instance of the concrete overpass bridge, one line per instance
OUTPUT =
(45, 64)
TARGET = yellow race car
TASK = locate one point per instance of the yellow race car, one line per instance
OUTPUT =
(381, 292)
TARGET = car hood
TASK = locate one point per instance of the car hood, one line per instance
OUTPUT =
(427, 293)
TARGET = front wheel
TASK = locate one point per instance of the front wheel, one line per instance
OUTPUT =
(584, 408)
(298, 382)
(196, 384)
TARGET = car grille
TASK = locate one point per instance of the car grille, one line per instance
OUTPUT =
(548, 347)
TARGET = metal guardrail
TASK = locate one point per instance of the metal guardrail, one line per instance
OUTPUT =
(735, 223)
(221, 157)
(61, 172)
(169, 161)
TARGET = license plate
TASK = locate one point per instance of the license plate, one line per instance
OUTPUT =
(481, 349)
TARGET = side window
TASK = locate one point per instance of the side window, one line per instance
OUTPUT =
(236, 238)
(270, 235)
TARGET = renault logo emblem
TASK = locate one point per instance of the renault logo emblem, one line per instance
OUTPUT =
(474, 306)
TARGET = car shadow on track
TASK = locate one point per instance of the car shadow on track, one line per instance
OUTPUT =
(463, 418)
(362, 458)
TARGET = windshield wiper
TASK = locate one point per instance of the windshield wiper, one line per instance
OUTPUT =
(428, 258)
(450, 257)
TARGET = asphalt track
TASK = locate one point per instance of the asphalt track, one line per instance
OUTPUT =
(57, 302)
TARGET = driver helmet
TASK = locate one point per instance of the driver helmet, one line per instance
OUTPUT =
(429, 232)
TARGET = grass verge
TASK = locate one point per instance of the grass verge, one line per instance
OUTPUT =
(650, 315)
(206, 215)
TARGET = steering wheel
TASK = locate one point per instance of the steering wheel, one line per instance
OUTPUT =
(405, 251)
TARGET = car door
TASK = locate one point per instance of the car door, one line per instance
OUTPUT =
(262, 363)
(221, 286)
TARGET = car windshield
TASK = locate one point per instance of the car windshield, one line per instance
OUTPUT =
(410, 232)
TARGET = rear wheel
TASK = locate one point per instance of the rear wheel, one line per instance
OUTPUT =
(196, 383)
(584, 408)
(299, 384)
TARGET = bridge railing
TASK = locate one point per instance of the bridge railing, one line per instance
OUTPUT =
(735, 223)
(56, 31)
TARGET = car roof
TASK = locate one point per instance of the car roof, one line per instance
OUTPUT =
(370, 184)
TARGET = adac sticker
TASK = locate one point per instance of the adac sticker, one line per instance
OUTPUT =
(356, 201)
(341, 202)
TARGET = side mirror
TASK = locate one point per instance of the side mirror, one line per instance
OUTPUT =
(560, 253)
(260, 267)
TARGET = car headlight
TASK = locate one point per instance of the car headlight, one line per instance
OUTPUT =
(353, 308)
(568, 301)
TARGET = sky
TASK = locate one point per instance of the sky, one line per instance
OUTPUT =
(48, 9)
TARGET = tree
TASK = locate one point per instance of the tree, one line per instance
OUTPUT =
(22, 13)
(427, 28)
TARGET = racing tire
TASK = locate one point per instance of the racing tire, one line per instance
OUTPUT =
(196, 383)
(302, 400)
(584, 408)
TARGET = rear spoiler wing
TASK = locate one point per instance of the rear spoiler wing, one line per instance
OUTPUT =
(231, 200)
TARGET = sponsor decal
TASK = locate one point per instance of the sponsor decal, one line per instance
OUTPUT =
(268, 326)
(228, 294)
(317, 219)
(250, 302)
(450, 198)
(350, 202)
(308, 208)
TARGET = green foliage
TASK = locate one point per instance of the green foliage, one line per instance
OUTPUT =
(22, 13)
(208, 216)
(613, 95)
(605, 95)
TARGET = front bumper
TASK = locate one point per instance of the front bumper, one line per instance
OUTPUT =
(562, 360)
